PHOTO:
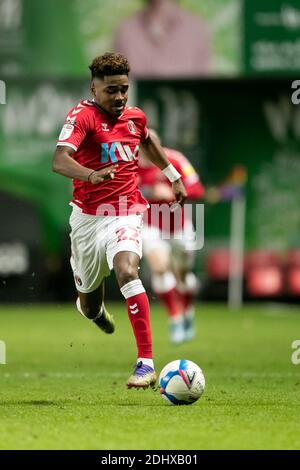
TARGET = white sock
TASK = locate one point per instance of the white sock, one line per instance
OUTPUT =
(190, 285)
(146, 360)
(162, 283)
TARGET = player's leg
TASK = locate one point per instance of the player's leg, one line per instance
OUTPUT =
(123, 252)
(126, 265)
(157, 252)
(89, 265)
(187, 286)
(91, 305)
(164, 286)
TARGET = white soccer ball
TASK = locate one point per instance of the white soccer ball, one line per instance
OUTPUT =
(181, 382)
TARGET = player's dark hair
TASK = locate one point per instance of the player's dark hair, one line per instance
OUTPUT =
(110, 63)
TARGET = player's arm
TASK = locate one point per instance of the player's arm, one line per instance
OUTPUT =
(64, 164)
(153, 150)
(190, 178)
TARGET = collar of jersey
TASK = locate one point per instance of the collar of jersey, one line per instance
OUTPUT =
(110, 116)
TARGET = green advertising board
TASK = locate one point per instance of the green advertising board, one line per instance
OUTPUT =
(271, 30)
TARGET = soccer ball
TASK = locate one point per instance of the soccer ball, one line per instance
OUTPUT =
(181, 382)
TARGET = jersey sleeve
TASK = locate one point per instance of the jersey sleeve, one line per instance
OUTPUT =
(75, 129)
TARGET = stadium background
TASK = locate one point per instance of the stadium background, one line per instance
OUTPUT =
(241, 114)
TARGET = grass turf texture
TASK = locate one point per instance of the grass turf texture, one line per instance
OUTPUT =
(63, 386)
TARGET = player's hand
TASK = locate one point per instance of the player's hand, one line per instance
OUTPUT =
(179, 191)
(107, 173)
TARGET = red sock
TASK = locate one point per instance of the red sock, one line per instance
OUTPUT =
(172, 302)
(186, 299)
(139, 316)
(188, 290)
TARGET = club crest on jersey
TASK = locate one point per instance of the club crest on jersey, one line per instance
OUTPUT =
(104, 127)
(131, 127)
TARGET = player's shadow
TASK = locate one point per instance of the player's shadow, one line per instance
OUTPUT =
(32, 402)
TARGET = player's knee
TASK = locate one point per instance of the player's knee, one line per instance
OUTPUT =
(159, 270)
(158, 261)
(125, 275)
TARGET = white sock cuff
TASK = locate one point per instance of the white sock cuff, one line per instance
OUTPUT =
(190, 286)
(162, 283)
(132, 288)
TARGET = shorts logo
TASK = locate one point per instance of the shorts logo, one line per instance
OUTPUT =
(131, 127)
(78, 280)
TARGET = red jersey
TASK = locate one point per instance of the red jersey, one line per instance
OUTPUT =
(149, 175)
(100, 140)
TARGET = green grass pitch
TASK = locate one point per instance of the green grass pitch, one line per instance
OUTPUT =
(63, 386)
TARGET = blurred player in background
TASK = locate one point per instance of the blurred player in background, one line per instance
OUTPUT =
(98, 147)
(171, 258)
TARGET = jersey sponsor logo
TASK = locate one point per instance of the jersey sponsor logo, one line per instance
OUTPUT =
(117, 151)
(131, 127)
(66, 131)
